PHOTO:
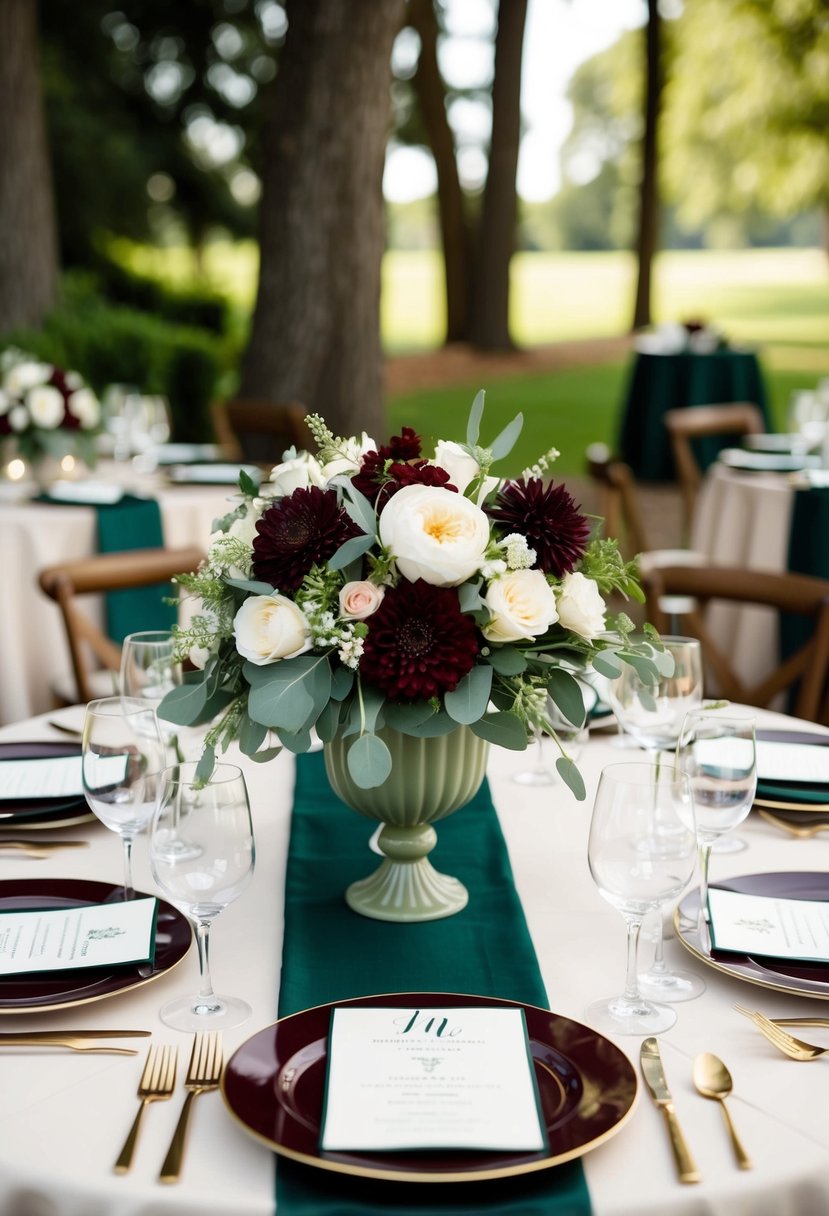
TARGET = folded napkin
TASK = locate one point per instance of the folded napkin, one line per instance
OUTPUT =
(330, 954)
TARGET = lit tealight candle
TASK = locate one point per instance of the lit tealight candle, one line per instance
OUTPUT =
(16, 469)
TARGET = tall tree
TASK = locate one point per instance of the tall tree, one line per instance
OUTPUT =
(489, 314)
(316, 327)
(647, 240)
(28, 242)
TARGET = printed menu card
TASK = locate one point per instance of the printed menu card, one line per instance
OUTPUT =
(88, 935)
(796, 929)
(435, 1078)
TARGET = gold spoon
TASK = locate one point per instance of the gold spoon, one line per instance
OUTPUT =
(713, 1080)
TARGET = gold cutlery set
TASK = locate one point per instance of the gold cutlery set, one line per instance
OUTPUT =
(713, 1080)
(157, 1084)
(794, 1048)
(32, 847)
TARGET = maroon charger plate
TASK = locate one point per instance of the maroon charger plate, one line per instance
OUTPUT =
(42, 812)
(43, 993)
(273, 1087)
(785, 975)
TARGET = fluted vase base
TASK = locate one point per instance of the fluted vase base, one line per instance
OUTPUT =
(407, 887)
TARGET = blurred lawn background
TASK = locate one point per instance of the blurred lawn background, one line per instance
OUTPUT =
(775, 300)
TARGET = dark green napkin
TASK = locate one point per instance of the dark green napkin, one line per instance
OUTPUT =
(134, 523)
(330, 953)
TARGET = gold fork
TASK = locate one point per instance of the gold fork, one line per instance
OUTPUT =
(794, 1048)
(157, 1083)
(203, 1074)
(801, 832)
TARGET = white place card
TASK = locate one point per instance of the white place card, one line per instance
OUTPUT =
(92, 935)
(793, 762)
(55, 777)
(430, 1078)
(764, 925)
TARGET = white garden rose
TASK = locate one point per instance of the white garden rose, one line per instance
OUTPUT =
(45, 405)
(350, 459)
(360, 599)
(580, 606)
(85, 406)
(270, 627)
(522, 605)
(18, 418)
(434, 534)
(25, 375)
(198, 656)
(461, 467)
(297, 473)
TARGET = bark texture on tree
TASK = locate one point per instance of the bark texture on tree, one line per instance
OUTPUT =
(454, 226)
(316, 327)
(489, 312)
(28, 233)
(647, 241)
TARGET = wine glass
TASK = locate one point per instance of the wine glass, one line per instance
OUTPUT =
(149, 670)
(653, 716)
(634, 802)
(717, 751)
(122, 755)
(202, 858)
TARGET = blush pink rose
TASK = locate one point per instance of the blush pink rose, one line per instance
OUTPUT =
(359, 600)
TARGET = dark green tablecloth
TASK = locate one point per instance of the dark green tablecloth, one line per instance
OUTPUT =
(658, 383)
(330, 953)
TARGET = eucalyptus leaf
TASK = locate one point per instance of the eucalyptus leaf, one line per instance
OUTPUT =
(205, 766)
(247, 584)
(644, 669)
(664, 662)
(469, 597)
(328, 721)
(438, 724)
(503, 729)
(607, 664)
(342, 681)
(360, 509)
(251, 735)
(507, 661)
(407, 718)
(351, 549)
(247, 484)
(473, 426)
(297, 742)
(183, 704)
(269, 753)
(469, 700)
(369, 762)
(291, 692)
(372, 700)
(503, 444)
(570, 774)
(567, 695)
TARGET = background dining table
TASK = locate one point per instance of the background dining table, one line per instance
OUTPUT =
(35, 534)
(63, 1117)
(660, 382)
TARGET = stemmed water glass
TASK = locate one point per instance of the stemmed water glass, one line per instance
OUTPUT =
(653, 716)
(635, 803)
(122, 755)
(718, 753)
(149, 670)
(202, 858)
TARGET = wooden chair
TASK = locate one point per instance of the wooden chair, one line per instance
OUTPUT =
(804, 672)
(700, 422)
(618, 502)
(91, 651)
(262, 430)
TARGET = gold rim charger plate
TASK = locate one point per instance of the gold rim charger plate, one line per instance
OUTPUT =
(274, 1083)
(42, 813)
(782, 975)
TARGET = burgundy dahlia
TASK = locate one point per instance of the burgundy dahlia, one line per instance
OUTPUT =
(299, 530)
(548, 517)
(419, 643)
(396, 464)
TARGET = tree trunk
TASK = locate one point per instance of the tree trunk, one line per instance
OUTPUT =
(28, 234)
(489, 328)
(316, 327)
(454, 226)
(647, 241)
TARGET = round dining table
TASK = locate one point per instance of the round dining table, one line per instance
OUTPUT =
(63, 1117)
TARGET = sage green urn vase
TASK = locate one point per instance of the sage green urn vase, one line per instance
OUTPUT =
(429, 779)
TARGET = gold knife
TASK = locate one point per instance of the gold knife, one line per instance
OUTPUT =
(38, 1036)
(654, 1075)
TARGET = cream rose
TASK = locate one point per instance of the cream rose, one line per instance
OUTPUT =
(26, 374)
(298, 473)
(45, 405)
(580, 606)
(350, 458)
(434, 534)
(461, 467)
(270, 627)
(358, 600)
(85, 406)
(522, 605)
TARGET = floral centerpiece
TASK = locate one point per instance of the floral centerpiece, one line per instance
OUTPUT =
(370, 587)
(47, 412)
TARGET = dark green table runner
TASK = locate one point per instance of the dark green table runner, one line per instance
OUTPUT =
(134, 523)
(808, 553)
(330, 953)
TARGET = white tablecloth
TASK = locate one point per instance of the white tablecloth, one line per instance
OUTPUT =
(33, 535)
(63, 1118)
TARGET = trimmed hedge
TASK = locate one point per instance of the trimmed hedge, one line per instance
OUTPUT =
(201, 308)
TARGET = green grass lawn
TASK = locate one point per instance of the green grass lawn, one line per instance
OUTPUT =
(774, 299)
